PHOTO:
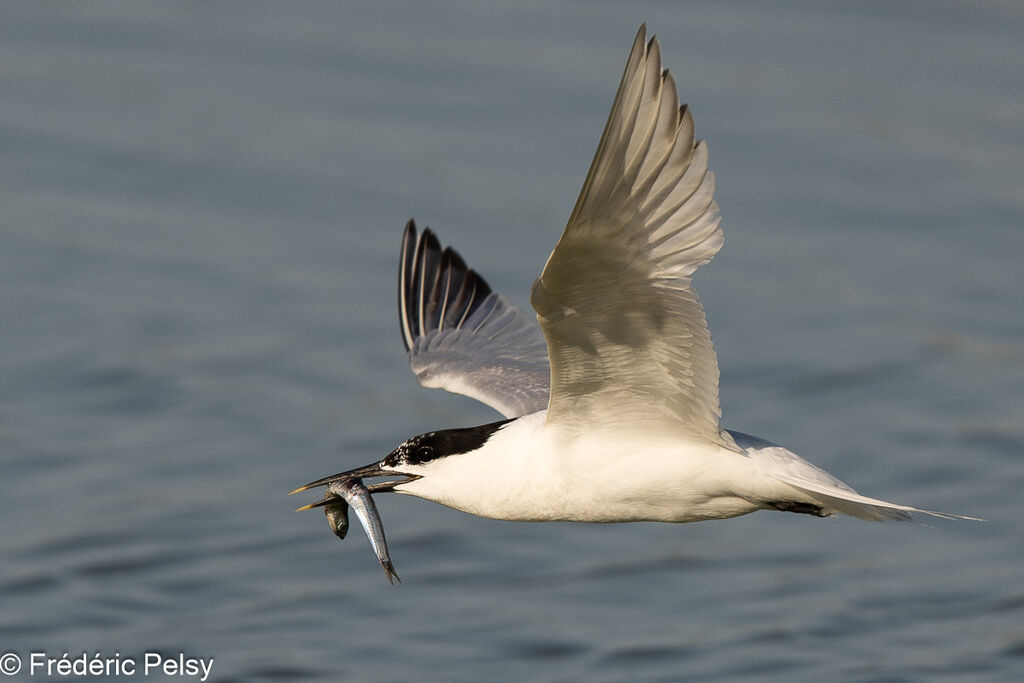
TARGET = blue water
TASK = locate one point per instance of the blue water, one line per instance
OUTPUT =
(200, 212)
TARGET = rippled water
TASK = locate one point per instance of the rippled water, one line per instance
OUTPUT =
(201, 208)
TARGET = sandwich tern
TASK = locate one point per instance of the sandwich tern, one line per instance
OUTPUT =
(611, 393)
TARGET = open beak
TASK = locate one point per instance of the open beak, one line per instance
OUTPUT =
(358, 473)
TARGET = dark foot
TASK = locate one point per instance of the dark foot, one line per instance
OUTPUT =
(803, 508)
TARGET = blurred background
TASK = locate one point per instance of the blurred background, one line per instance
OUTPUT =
(200, 212)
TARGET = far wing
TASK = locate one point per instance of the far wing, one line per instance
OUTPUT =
(463, 337)
(627, 337)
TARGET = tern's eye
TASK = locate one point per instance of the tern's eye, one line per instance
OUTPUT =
(425, 453)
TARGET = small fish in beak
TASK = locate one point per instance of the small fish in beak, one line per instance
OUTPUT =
(337, 516)
(343, 493)
(353, 491)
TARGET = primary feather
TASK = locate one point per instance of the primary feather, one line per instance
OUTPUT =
(463, 337)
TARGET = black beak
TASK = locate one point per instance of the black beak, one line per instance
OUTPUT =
(359, 473)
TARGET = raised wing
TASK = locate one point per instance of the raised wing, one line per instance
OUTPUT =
(463, 337)
(627, 337)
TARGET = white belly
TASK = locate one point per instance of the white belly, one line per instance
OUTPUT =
(528, 472)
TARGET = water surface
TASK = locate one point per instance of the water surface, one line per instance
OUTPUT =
(201, 213)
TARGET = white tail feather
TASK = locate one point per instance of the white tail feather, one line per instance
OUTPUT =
(822, 488)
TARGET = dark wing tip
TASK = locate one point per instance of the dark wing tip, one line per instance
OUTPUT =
(436, 289)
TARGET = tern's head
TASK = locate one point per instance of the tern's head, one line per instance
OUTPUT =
(410, 458)
(424, 448)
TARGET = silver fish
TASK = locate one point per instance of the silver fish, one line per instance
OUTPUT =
(352, 492)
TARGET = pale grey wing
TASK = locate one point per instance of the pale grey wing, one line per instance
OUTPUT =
(463, 337)
(627, 337)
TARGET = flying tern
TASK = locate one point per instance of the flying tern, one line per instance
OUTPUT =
(610, 393)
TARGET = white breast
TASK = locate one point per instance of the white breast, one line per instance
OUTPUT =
(529, 471)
